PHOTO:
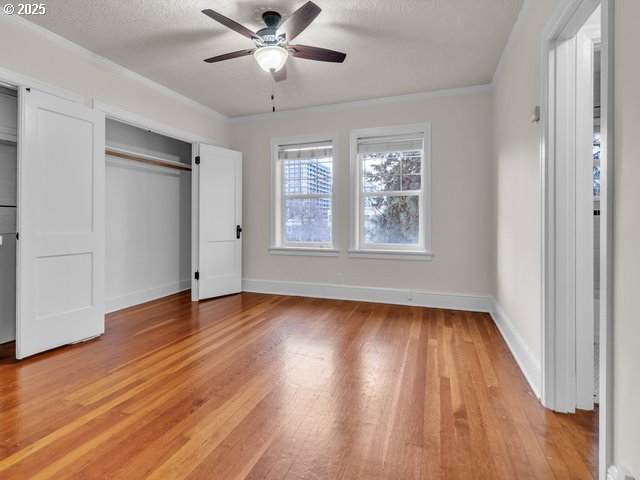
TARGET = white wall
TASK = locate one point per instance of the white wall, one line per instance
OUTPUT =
(463, 220)
(23, 49)
(148, 219)
(517, 173)
(626, 395)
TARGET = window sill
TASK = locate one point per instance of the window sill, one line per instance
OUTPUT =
(305, 251)
(391, 254)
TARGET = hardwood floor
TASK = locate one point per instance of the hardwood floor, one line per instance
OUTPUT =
(268, 387)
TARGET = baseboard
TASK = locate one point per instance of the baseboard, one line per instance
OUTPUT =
(618, 472)
(142, 296)
(529, 365)
(450, 301)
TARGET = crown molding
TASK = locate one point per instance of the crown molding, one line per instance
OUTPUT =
(113, 66)
(515, 31)
(365, 103)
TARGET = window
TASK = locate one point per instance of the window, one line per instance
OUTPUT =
(303, 195)
(391, 184)
(596, 163)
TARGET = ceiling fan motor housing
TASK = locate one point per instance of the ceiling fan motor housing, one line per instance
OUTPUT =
(269, 35)
(271, 19)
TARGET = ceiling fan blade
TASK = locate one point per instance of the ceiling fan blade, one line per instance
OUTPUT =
(317, 53)
(228, 56)
(299, 20)
(280, 75)
(233, 25)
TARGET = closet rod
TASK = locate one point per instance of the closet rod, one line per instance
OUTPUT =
(8, 206)
(161, 163)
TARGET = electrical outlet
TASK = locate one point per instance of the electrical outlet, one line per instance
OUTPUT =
(339, 278)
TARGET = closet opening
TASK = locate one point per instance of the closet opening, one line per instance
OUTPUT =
(596, 220)
(148, 215)
(8, 210)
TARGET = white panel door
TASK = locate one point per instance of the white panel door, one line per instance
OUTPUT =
(60, 297)
(220, 222)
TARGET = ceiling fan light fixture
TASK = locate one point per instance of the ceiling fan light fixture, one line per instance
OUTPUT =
(271, 58)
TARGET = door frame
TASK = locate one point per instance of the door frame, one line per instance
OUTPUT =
(133, 119)
(556, 333)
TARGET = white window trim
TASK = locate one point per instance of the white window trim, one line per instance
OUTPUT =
(278, 247)
(396, 252)
(305, 251)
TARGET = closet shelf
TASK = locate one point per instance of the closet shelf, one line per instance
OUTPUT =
(116, 152)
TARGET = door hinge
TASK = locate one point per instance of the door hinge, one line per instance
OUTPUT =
(198, 160)
(197, 275)
(17, 235)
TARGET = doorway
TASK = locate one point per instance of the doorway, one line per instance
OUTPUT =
(576, 223)
(215, 176)
(8, 211)
(148, 215)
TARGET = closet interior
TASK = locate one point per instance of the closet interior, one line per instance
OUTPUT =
(8, 210)
(148, 215)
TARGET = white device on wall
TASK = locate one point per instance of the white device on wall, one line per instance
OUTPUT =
(534, 116)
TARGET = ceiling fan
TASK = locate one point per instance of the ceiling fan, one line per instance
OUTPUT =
(272, 42)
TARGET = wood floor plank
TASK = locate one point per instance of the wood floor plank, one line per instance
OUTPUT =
(271, 387)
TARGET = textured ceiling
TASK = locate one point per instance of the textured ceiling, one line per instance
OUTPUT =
(393, 47)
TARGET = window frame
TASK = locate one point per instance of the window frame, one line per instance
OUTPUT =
(278, 244)
(360, 249)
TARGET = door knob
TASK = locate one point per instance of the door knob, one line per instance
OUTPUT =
(238, 231)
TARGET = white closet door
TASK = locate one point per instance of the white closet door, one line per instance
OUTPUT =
(220, 222)
(61, 223)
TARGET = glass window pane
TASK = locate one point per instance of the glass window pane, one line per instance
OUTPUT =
(308, 220)
(392, 220)
(411, 182)
(380, 183)
(386, 171)
(307, 176)
(381, 164)
(371, 165)
(411, 163)
(390, 163)
(596, 163)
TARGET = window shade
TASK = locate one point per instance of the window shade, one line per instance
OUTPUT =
(392, 143)
(305, 150)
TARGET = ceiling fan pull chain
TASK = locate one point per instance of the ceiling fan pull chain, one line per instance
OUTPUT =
(273, 95)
